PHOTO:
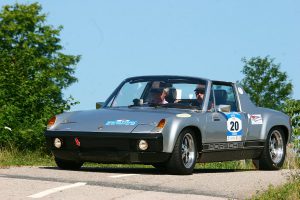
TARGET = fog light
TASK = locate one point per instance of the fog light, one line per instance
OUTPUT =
(57, 143)
(143, 145)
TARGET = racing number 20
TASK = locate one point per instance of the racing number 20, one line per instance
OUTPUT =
(234, 126)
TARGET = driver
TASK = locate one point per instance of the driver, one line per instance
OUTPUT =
(158, 95)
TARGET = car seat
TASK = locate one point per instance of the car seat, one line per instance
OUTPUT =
(172, 95)
(221, 97)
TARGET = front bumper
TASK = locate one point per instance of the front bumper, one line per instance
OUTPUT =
(107, 147)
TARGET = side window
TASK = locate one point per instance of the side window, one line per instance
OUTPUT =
(225, 95)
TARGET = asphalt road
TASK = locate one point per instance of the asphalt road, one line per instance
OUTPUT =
(137, 183)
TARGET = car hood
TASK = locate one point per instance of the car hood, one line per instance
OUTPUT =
(120, 120)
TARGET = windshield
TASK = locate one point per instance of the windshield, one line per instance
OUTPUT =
(178, 93)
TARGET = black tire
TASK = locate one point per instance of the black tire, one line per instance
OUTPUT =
(178, 164)
(270, 159)
(67, 164)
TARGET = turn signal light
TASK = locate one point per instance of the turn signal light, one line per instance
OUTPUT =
(51, 122)
(161, 124)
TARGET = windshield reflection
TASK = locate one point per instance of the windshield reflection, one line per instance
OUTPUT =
(166, 93)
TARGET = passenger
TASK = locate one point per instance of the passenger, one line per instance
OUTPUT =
(157, 96)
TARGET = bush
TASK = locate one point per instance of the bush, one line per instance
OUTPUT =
(33, 73)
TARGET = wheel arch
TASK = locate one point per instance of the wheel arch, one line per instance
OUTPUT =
(285, 132)
(275, 119)
(198, 135)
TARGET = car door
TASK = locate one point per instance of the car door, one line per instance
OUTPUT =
(225, 123)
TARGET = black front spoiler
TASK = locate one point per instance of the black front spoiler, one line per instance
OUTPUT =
(107, 147)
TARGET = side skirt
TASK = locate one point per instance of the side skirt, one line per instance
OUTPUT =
(227, 151)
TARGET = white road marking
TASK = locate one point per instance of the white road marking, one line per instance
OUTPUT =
(123, 175)
(57, 189)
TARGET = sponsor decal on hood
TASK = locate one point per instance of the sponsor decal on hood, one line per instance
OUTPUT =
(121, 122)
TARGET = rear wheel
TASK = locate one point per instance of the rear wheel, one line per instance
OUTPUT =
(273, 155)
(67, 164)
(184, 156)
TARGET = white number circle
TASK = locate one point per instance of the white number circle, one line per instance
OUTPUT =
(234, 125)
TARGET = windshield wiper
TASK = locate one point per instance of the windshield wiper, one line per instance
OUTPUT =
(136, 102)
(156, 105)
(130, 106)
(168, 105)
(178, 105)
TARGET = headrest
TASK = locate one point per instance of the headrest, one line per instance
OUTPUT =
(172, 93)
(221, 94)
(156, 90)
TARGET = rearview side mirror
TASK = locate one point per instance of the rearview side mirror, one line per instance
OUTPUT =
(99, 105)
(223, 108)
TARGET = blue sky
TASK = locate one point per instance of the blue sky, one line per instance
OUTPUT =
(119, 39)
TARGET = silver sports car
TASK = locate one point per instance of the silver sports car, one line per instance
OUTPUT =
(171, 122)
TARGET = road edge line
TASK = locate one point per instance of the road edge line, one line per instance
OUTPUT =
(54, 190)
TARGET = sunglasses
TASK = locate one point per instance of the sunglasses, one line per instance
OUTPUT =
(199, 92)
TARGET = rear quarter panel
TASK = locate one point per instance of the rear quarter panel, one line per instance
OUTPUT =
(270, 118)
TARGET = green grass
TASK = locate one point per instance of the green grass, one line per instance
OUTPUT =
(117, 165)
(231, 165)
(35, 158)
(24, 158)
(9, 158)
(234, 165)
(289, 191)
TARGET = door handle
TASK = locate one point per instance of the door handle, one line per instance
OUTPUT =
(216, 119)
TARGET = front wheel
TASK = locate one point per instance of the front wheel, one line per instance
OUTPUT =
(273, 155)
(184, 156)
(67, 164)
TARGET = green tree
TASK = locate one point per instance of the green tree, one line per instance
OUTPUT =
(292, 108)
(33, 73)
(266, 85)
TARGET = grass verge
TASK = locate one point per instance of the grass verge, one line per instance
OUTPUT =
(232, 165)
(288, 191)
(34, 158)
(24, 158)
